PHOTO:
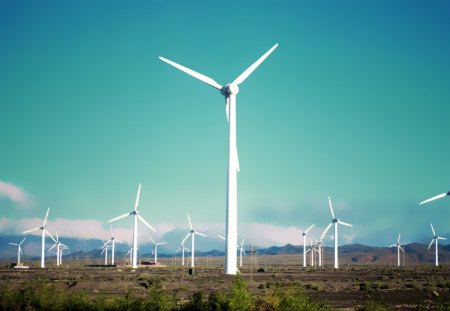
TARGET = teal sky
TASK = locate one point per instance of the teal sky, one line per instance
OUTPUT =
(354, 103)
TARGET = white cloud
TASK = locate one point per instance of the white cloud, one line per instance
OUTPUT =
(15, 194)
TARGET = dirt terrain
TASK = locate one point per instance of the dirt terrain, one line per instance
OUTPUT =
(349, 287)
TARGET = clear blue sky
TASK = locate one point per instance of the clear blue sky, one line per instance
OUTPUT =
(354, 103)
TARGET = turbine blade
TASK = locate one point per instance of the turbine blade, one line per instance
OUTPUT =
(401, 248)
(51, 247)
(344, 223)
(199, 233)
(46, 216)
(178, 250)
(193, 73)
(309, 228)
(146, 223)
(431, 243)
(63, 245)
(255, 65)
(137, 198)
(20, 250)
(435, 198)
(190, 224)
(398, 240)
(152, 240)
(293, 228)
(326, 230)
(185, 238)
(432, 229)
(238, 167)
(23, 240)
(106, 243)
(244, 253)
(227, 107)
(120, 217)
(242, 243)
(441, 238)
(57, 238)
(222, 237)
(392, 245)
(331, 207)
(14, 244)
(50, 235)
(31, 230)
(162, 243)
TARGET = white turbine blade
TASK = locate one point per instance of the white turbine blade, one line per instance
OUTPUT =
(185, 238)
(244, 253)
(326, 230)
(309, 228)
(137, 198)
(50, 235)
(434, 198)
(103, 250)
(344, 223)
(190, 224)
(57, 238)
(161, 243)
(23, 240)
(238, 167)
(110, 229)
(398, 240)
(14, 244)
(193, 73)
(46, 216)
(152, 240)
(402, 249)
(252, 68)
(63, 245)
(199, 233)
(331, 207)
(146, 223)
(120, 217)
(20, 250)
(187, 249)
(222, 237)
(431, 243)
(52, 247)
(392, 245)
(432, 229)
(178, 250)
(227, 107)
(441, 238)
(242, 243)
(106, 243)
(31, 230)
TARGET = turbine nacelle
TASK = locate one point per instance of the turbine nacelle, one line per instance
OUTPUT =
(229, 89)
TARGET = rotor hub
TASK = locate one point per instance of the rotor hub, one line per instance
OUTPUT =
(335, 220)
(232, 89)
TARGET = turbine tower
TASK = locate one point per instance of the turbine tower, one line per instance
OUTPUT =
(155, 248)
(435, 239)
(304, 241)
(19, 249)
(137, 216)
(335, 221)
(229, 91)
(436, 197)
(399, 248)
(44, 231)
(192, 233)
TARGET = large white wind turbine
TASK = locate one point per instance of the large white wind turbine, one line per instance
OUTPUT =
(229, 91)
(59, 247)
(155, 248)
(435, 239)
(44, 231)
(192, 233)
(19, 249)
(399, 248)
(336, 222)
(137, 216)
(436, 197)
(304, 241)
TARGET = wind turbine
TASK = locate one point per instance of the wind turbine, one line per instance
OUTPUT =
(155, 248)
(241, 251)
(58, 246)
(182, 249)
(137, 216)
(192, 233)
(229, 91)
(44, 231)
(304, 241)
(105, 251)
(336, 222)
(436, 238)
(19, 249)
(436, 197)
(111, 241)
(320, 246)
(399, 248)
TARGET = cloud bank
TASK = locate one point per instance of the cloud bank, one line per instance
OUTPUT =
(14, 194)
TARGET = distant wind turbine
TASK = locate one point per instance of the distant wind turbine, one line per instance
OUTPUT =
(58, 246)
(44, 231)
(111, 241)
(137, 216)
(19, 249)
(182, 249)
(436, 197)
(399, 248)
(335, 221)
(304, 241)
(435, 239)
(192, 233)
(229, 91)
(155, 248)
(241, 252)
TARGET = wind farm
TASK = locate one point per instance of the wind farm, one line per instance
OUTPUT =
(343, 110)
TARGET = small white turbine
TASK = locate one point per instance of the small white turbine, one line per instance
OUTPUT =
(241, 252)
(19, 249)
(182, 249)
(229, 91)
(335, 221)
(436, 197)
(192, 233)
(137, 216)
(399, 248)
(58, 246)
(304, 241)
(44, 231)
(435, 239)
(155, 248)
